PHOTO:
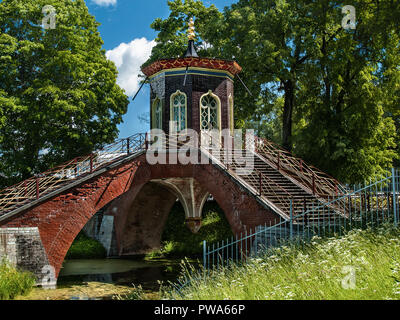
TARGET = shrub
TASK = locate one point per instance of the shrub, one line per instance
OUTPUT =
(14, 282)
(137, 293)
(178, 240)
(84, 247)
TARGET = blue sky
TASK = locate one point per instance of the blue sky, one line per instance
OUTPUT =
(128, 39)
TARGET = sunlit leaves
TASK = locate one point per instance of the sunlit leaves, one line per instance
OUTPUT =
(58, 91)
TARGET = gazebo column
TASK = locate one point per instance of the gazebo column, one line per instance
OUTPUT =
(192, 197)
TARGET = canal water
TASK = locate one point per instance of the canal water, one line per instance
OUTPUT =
(110, 279)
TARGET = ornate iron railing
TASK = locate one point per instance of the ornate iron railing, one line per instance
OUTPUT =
(35, 188)
(320, 183)
(369, 206)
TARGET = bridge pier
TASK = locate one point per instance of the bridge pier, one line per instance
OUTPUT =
(101, 228)
(23, 249)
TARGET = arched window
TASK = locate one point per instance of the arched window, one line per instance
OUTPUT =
(179, 111)
(210, 112)
(157, 114)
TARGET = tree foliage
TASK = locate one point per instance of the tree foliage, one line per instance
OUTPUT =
(343, 94)
(58, 92)
(172, 37)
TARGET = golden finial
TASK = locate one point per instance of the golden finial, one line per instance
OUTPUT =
(191, 34)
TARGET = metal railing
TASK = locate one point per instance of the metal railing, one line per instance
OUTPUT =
(313, 181)
(369, 206)
(42, 184)
(320, 183)
(35, 188)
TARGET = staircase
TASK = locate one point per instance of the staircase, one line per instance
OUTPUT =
(285, 193)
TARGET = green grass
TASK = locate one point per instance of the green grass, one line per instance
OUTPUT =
(14, 282)
(178, 240)
(84, 247)
(320, 270)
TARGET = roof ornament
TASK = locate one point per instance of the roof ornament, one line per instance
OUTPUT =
(191, 50)
(191, 34)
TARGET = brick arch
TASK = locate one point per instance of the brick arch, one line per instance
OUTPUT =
(241, 209)
(140, 217)
(60, 219)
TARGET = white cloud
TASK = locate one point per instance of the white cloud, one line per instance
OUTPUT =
(105, 3)
(128, 58)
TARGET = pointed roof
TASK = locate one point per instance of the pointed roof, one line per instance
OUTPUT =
(191, 51)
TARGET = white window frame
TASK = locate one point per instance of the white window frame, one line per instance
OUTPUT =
(210, 93)
(156, 125)
(172, 110)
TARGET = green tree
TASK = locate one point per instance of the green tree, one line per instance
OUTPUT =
(273, 41)
(58, 92)
(345, 93)
(337, 85)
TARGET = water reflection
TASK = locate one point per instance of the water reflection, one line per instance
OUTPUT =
(148, 274)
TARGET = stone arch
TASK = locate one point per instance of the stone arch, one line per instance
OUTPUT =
(143, 214)
(192, 196)
(147, 212)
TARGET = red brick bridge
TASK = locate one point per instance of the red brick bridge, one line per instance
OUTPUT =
(43, 215)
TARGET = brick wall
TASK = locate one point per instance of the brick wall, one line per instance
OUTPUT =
(196, 85)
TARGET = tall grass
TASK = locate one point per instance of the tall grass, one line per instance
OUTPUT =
(14, 282)
(363, 264)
